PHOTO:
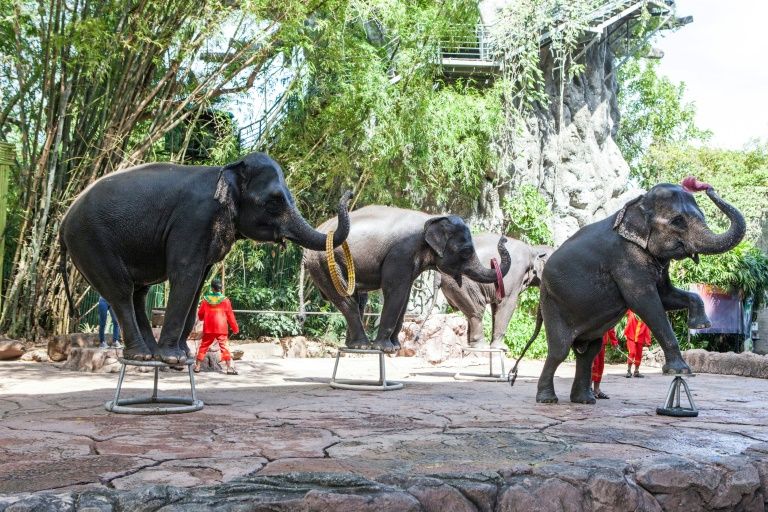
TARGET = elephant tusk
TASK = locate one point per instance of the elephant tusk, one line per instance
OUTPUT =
(499, 284)
(336, 278)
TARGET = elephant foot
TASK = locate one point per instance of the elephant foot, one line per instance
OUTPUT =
(134, 354)
(676, 367)
(498, 344)
(583, 397)
(385, 346)
(360, 344)
(396, 344)
(171, 355)
(546, 397)
(695, 323)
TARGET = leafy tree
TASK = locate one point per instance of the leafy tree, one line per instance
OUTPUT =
(91, 87)
(654, 115)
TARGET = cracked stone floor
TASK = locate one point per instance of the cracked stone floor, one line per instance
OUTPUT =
(280, 415)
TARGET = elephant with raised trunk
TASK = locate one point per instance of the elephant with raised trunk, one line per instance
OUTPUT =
(620, 263)
(134, 228)
(390, 248)
(472, 297)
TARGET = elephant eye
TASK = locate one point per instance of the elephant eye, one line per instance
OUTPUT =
(466, 253)
(679, 222)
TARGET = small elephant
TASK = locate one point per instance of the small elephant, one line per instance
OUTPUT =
(471, 298)
(390, 248)
(620, 263)
(134, 228)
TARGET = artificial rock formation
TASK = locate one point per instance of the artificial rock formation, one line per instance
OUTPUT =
(437, 339)
(578, 168)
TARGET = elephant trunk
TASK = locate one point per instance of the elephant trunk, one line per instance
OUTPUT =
(477, 272)
(302, 233)
(711, 243)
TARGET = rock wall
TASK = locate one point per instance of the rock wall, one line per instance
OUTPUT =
(578, 168)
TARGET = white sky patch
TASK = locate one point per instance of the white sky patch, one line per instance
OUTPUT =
(723, 59)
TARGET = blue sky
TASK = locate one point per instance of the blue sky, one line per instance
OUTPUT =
(723, 59)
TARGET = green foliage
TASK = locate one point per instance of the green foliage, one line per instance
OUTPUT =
(744, 268)
(372, 118)
(654, 115)
(521, 327)
(525, 211)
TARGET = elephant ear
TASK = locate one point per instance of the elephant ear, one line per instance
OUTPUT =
(223, 193)
(632, 222)
(437, 231)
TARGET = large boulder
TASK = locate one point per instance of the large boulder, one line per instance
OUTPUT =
(60, 346)
(93, 359)
(746, 364)
(437, 339)
(10, 349)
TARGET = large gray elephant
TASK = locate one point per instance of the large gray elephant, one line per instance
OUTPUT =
(390, 248)
(141, 226)
(472, 297)
(620, 263)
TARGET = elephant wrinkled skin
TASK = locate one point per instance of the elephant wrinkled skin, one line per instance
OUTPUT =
(134, 228)
(390, 248)
(472, 297)
(622, 262)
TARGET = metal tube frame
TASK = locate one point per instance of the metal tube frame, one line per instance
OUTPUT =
(361, 384)
(490, 376)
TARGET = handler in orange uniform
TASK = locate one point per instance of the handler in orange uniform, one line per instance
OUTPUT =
(638, 335)
(216, 313)
(599, 364)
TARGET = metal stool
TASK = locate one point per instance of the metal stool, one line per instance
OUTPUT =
(490, 377)
(364, 385)
(120, 406)
(672, 406)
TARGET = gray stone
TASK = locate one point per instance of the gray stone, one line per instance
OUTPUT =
(37, 355)
(10, 349)
(438, 339)
(541, 494)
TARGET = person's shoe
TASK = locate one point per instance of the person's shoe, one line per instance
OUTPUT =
(602, 396)
(629, 374)
(117, 345)
(103, 344)
(638, 375)
(231, 371)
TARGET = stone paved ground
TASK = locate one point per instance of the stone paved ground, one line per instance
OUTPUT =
(277, 437)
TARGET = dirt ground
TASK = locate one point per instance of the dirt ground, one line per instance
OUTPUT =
(279, 418)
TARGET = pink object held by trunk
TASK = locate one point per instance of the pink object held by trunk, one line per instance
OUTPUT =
(691, 184)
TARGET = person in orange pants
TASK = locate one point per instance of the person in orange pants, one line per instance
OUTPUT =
(599, 363)
(217, 316)
(638, 335)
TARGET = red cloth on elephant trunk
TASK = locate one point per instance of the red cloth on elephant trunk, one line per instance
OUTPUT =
(598, 366)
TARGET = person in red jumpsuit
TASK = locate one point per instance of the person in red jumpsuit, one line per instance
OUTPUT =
(638, 335)
(599, 364)
(217, 315)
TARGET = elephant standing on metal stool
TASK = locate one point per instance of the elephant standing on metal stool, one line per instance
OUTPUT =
(390, 248)
(620, 263)
(472, 298)
(134, 228)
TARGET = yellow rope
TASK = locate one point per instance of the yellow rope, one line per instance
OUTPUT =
(338, 280)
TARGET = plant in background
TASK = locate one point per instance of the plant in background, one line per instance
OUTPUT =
(525, 213)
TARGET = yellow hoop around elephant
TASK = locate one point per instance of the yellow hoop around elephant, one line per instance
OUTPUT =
(333, 270)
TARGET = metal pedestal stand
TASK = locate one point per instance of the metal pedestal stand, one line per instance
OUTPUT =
(364, 385)
(672, 406)
(122, 406)
(490, 376)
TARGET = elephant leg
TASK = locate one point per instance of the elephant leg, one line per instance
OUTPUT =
(192, 315)
(646, 303)
(675, 299)
(502, 314)
(581, 391)
(395, 337)
(140, 310)
(475, 335)
(184, 287)
(559, 342)
(395, 290)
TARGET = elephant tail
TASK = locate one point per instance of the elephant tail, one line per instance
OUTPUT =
(512, 375)
(302, 316)
(65, 278)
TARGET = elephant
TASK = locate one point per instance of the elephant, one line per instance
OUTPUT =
(161, 221)
(471, 298)
(390, 248)
(619, 263)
